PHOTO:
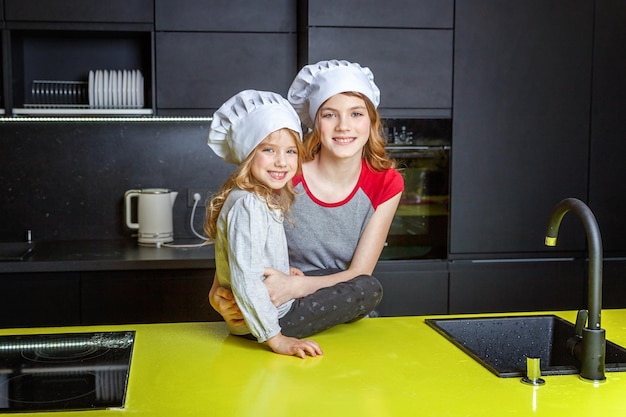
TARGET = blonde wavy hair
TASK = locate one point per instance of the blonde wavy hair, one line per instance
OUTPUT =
(243, 179)
(374, 151)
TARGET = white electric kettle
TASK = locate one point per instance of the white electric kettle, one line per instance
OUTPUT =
(154, 214)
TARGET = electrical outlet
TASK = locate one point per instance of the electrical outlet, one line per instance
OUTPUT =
(204, 196)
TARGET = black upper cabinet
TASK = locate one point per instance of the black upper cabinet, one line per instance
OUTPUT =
(226, 15)
(407, 45)
(412, 67)
(54, 44)
(369, 13)
(120, 11)
(197, 72)
(522, 91)
(608, 125)
(208, 51)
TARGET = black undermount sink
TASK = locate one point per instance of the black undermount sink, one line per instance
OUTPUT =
(15, 251)
(502, 344)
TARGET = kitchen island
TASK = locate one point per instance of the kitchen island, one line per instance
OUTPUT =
(396, 366)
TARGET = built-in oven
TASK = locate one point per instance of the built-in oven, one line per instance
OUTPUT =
(421, 149)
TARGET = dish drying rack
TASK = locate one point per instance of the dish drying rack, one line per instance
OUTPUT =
(59, 94)
(106, 92)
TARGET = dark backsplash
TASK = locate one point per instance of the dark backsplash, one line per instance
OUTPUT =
(66, 180)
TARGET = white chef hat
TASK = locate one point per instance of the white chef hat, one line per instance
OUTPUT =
(242, 122)
(316, 83)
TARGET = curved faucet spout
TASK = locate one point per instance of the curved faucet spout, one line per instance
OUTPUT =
(594, 242)
(593, 337)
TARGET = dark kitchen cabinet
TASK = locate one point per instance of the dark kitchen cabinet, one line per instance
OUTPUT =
(225, 15)
(3, 37)
(3, 85)
(503, 286)
(412, 67)
(413, 287)
(80, 11)
(522, 90)
(53, 45)
(409, 52)
(369, 13)
(146, 296)
(197, 72)
(208, 51)
(40, 299)
(51, 60)
(614, 283)
(608, 125)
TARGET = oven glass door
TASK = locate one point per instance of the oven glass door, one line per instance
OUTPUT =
(421, 149)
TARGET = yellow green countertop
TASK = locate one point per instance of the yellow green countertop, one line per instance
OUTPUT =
(396, 366)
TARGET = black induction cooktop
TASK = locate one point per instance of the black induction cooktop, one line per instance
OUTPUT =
(71, 371)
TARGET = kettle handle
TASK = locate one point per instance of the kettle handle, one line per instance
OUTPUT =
(127, 196)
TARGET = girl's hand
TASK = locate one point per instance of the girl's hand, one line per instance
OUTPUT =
(223, 301)
(281, 287)
(228, 307)
(291, 346)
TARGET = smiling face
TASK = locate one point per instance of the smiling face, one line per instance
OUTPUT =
(344, 125)
(275, 160)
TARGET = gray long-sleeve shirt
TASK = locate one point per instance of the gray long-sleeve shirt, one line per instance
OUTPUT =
(249, 238)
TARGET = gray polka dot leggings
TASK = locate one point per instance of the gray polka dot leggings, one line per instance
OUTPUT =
(327, 307)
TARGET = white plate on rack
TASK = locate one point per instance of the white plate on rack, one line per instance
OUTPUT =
(139, 89)
(132, 95)
(129, 87)
(124, 88)
(101, 90)
(120, 80)
(105, 88)
(120, 75)
(90, 89)
(113, 88)
(99, 85)
(118, 89)
(98, 89)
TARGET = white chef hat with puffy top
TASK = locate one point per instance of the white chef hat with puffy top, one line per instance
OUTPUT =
(316, 83)
(242, 122)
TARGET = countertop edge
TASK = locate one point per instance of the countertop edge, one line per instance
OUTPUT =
(108, 255)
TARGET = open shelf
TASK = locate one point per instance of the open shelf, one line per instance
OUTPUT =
(66, 58)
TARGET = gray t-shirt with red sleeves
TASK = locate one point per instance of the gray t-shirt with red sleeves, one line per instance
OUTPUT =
(325, 235)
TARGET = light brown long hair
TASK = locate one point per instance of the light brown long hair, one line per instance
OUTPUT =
(243, 179)
(374, 150)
